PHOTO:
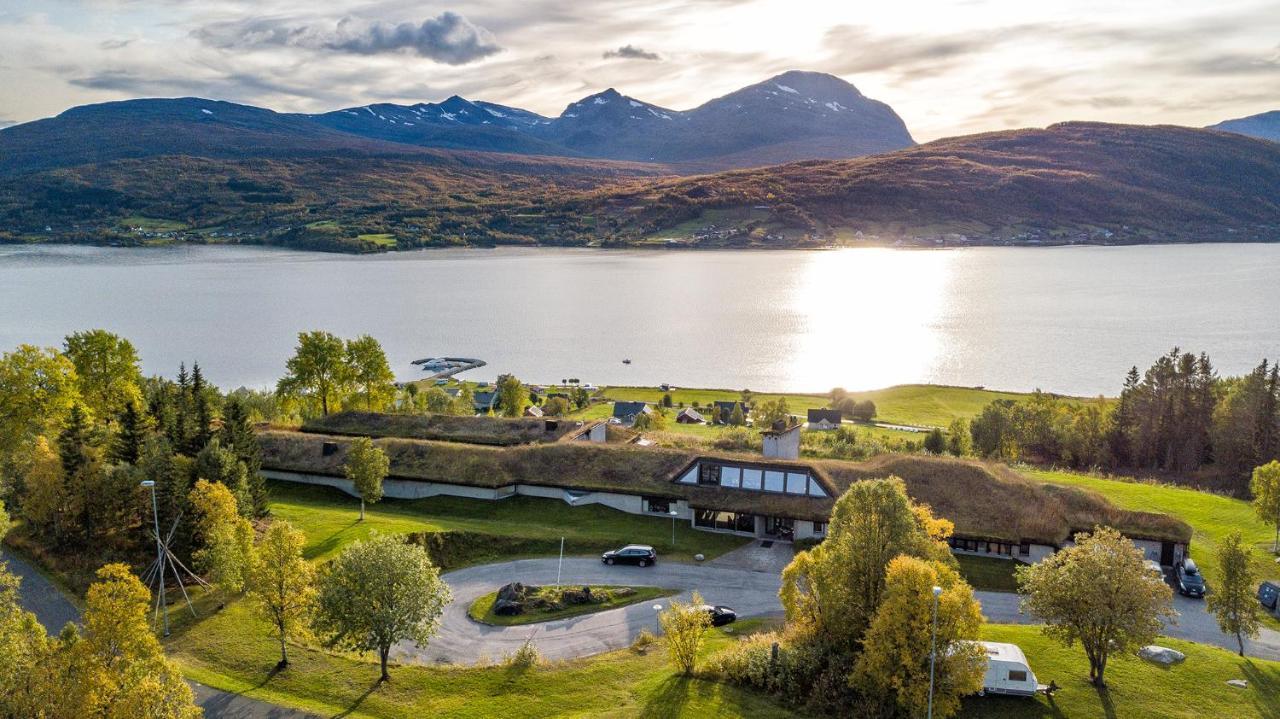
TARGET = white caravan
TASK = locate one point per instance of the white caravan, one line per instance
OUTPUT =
(1007, 671)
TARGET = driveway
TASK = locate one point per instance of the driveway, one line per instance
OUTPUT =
(41, 597)
(752, 593)
(463, 641)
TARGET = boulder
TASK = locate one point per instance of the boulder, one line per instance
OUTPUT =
(698, 557)
(514, 591)
(1238, 683)
(623, 592)
(507, 608)
(1163, 656)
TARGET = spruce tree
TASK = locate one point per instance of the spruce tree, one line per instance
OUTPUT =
(201, 412)
(73, 443)
(239, 437)
(129, 438)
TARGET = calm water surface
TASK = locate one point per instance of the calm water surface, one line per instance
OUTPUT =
(1065, 319)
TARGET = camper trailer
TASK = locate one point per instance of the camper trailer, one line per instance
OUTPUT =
(1007, 671)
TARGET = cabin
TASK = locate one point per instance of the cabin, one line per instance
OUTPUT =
(627, 412)
(1007, 671)
(824, 419)
(485, 402)
(688, 415)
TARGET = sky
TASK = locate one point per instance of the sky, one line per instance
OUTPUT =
(948, 68)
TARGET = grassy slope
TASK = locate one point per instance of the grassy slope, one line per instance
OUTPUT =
(1194, 689)
(481, 609)
(330, 520)
(1211, 516)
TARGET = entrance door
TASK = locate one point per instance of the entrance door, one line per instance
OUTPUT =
(1166, 554)
(780, 527)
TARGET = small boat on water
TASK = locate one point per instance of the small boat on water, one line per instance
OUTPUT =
(626, 361)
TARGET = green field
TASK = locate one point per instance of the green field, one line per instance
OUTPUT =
(1211, 516)
(381, 239)
(988, 572)
(154, 224)
(481, 609)
(330, 520)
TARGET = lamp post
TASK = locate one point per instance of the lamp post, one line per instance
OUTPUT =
(933, 647)
(160, 558)
(674, 513)
(560, 564)
(657, 624)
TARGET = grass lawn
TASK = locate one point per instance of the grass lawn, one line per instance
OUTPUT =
(910, 404)
(610, 597)
(1211, 516)
(233, 652)
(1194, 689)
(988, 572)
(381, 239)
(330, 519)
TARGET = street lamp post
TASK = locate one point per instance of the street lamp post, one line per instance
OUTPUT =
(933, 647)
(657, 624)
(560, 564)
(674, 514)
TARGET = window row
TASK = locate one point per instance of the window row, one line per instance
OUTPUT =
(752, 478)
(982, 545)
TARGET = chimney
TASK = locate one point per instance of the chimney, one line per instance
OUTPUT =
(782, 441)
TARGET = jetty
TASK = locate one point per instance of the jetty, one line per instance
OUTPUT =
(445, 367)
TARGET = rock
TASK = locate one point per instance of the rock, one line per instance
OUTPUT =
(1163, 656)
(514, 591)
(698, 557)
(1238, 683)
(623, 592)
(507, 608)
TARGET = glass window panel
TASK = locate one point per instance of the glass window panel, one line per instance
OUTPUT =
(730, 476)
(773, 481)
(704, 518)
(815, 488)
(746, 523)
(796, 482)
(751, 479)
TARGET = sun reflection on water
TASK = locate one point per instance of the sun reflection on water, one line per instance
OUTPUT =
(870, 317)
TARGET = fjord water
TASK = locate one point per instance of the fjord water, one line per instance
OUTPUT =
(1068, 320)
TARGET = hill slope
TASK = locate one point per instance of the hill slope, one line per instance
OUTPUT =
(1265, 125)
(1070, 182)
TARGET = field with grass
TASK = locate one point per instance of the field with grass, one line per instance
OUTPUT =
(608, 597)
(988, 572)
(330, 520)
(1192, 690)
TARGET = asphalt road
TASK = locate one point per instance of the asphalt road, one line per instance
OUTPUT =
(41, 597)
(751, 593)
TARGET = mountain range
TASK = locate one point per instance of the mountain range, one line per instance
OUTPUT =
(794, 116)
(817, 163)
(1265, 125)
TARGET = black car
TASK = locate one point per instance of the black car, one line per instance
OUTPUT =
(637, 554)
(720, 616)
(1187, 578)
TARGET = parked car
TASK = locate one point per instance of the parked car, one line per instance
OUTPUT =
(1187, 579)
(638, 554)
(720, 616)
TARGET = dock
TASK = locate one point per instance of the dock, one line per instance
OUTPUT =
(445, 367)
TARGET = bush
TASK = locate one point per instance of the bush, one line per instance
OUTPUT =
(643, 641)
(797, 674)
(526, 657)
(737, 439)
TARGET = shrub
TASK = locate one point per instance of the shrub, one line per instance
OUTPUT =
(685, 624)
(526, 657)
(737, 439)
(643, 641)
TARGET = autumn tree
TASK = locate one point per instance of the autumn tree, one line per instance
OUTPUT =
(120, 668)
(318, 372)
(831, 592)
(25, 650)
(894, 663)
(282, 584)
(1097, 593)
(379, 592)
(38, 388)
(366, 466)
(1265, 486)
(108, 371)
(44, 503)
(556, 407)
(1232, 600)
(771, 411)
(685, 624)
(225, 538)
(371, 374)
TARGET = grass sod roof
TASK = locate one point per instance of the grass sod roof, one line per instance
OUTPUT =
(499, 431)
(982, 500)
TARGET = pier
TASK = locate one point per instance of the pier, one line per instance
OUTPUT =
(445, 367)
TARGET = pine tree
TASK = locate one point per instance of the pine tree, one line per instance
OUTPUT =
(129, 437)
(180, 433)
(238, 436)
(202, 413)
(73, 443)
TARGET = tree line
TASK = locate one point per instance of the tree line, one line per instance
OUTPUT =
(1177, 417)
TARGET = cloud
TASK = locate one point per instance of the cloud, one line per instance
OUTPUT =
(631, 52)
(450, 38)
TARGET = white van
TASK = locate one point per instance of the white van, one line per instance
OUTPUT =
(1007, 671)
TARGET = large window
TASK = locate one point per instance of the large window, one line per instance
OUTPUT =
(724, 521)
(784, 481)
(730, 476)
(752, 478)
(773, 481)
(796, 482)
